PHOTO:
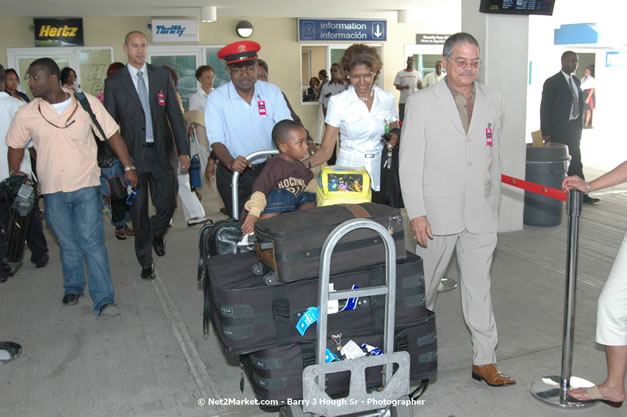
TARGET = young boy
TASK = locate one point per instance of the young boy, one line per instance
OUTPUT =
(285, 184)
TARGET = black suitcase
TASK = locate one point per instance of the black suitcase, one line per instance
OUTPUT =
(249, 316)
(296, 240)
(276, 374)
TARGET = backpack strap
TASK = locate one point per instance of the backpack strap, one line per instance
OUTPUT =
(82, 99)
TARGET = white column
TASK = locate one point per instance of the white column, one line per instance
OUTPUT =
(504, 43)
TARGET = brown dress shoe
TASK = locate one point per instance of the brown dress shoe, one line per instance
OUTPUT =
(491, 375)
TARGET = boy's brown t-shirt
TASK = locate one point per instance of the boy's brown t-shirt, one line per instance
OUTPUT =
(280, 173)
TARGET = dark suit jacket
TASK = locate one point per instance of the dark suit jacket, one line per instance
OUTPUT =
(122, 102)
(555, 109)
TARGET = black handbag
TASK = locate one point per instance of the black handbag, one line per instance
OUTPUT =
(117, 189)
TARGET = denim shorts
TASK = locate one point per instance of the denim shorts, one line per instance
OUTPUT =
(282, 201)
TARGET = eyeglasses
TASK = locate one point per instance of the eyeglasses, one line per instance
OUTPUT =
(250, 69)
(463, 63)
(358, 77)
(68, 123)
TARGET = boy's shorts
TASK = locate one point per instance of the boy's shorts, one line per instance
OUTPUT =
(283, 201)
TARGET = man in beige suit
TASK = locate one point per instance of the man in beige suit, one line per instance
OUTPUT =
(450, 179)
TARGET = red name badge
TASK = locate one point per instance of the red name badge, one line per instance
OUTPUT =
(262, 107)
(161, 98)
(488, 136)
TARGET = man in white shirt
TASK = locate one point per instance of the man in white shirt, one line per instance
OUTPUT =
(205, 76)
(434, 77)
(35, 239)
(407, 81)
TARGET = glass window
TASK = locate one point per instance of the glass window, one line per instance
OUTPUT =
(93, 69)
(185, 67)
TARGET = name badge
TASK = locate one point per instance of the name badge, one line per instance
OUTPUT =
(161, 98)
(488, 135)
(262, 107)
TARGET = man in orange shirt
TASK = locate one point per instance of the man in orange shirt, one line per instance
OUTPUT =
(70, 178)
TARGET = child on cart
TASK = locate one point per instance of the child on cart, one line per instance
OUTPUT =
(285, 183)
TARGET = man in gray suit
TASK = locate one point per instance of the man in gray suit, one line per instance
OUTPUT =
(450, 180)
(142, 99)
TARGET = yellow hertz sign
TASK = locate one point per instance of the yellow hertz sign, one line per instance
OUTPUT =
(48, 31)
(58, 31)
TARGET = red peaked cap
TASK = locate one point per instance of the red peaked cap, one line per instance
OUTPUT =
(239, 52)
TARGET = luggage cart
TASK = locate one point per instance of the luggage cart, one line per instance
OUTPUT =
(395, 385)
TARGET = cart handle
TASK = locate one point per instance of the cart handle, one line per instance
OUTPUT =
(235, 181)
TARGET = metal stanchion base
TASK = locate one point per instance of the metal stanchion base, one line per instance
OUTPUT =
(547, 389)
(447, 284)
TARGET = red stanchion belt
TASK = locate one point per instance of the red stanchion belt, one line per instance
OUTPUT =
(534, 188)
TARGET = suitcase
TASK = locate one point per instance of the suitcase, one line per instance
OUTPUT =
(290, 244)
(276, 374)
(249, 316)
(221, 238)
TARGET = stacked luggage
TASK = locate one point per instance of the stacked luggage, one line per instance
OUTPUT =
(262, 319)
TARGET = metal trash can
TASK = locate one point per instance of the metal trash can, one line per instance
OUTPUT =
(545, 166)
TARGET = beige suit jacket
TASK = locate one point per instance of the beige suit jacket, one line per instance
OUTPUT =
(449, 176)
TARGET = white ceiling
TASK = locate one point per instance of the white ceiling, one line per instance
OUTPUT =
(278, 8)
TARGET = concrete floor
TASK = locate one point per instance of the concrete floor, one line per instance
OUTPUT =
(153, 361)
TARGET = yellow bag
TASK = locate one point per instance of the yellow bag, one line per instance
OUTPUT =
(343, 185)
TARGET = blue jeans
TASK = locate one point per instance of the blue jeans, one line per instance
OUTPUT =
(76, 220)
(281, 200)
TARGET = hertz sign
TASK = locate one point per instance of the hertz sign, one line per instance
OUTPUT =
(58, 32)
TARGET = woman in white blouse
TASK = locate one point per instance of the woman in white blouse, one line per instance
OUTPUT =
(360, 114)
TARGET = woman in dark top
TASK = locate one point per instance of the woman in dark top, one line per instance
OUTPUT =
(11, 84)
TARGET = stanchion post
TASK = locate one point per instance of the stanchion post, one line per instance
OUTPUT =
(545, 388)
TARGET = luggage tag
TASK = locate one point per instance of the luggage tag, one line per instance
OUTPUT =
(307, 319)
(262, 107)
(351, 303)
(330, 356)
(351, 350)
(488, 135)
(372, 351)
(161, 98)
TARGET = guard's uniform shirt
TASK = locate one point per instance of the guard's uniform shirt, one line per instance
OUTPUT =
(241, 127)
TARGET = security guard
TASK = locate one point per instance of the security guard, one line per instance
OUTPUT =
(239, 118)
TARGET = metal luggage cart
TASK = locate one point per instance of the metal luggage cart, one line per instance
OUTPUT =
(393, 396)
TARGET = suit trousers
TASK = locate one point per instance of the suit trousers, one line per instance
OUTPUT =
(612, 305)
(163, 188)
(474, 258)
(572, 138)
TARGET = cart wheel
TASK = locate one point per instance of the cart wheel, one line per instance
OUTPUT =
(270, 279)
(292, 411)
(406, 410)
(257, 269)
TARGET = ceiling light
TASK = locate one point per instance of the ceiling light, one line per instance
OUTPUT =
(208, 14)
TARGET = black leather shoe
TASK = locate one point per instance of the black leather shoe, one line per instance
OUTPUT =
(590, 200)
(70, 299)
(159, 246)
(41, 262)
(3, 278)
(148, 272)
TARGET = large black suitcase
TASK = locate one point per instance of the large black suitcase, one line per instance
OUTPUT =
(249, 316)
(276, 374)
(296, 239)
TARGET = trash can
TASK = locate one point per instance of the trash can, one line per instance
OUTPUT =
(545, 166)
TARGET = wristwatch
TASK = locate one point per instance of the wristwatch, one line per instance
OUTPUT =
(130, 168)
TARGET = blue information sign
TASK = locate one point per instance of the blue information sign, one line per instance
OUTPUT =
(342, 30)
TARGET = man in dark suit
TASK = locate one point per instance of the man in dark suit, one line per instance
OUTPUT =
(561, 113)
(142, 99)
